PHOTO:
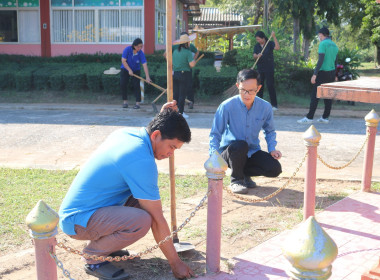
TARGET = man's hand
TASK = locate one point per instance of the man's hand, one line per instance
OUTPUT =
(148, 79)
(313, 79)
(273, 34)
(276, 154)
(171, 105)
(130, 72)
(181, 270)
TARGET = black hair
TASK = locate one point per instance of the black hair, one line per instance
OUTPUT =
(184, 33)
(184, 45)
(136, 42)
(261, 35)
(247, 74)
(325, 31)
(171, 124)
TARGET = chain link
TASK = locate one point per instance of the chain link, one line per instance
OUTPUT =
(274, 193)
(348, 163)
(65, 272)
(148, 250)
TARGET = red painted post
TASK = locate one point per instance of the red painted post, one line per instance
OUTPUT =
(311, 138)
(42, 222)
(371, 120)
(215, 171)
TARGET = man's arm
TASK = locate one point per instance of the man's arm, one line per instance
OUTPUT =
(218, 127)
(270, 135)
(321, 58)
(161, 230)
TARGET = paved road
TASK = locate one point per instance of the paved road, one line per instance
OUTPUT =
(63, 137)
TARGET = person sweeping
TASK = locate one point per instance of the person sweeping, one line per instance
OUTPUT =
(263, 52)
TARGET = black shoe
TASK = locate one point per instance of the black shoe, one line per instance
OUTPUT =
(136, 107)
(249, 183)
(125, 105)
(191, 105)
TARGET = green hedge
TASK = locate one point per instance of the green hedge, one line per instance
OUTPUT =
(7, 75)
(212, 82)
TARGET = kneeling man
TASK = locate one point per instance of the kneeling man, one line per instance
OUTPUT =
(114, 200)
(235, 134)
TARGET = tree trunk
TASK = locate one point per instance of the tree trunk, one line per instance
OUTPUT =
(258, 12)
(305, 48)
(377, 58)
(296, 35)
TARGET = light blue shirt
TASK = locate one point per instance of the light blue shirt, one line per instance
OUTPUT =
(233, 121)
(123, 165)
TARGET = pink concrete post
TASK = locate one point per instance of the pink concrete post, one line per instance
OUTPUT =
(371, 121)
(311, 138)
(42, 222)
(215, 171)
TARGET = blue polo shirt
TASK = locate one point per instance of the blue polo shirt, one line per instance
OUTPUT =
(233, 121)
(123, 165)
(133, 60)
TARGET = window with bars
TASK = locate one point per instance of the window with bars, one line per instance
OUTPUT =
(160, 21)
(96, 25)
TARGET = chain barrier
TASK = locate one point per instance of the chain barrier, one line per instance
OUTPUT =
(65, 272)
(148, 250)
(348, 163)
(274, 193)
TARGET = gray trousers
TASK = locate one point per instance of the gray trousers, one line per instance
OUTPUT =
(113, 228)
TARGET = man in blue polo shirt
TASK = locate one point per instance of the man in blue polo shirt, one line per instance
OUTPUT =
(114, 200)
(235, 134)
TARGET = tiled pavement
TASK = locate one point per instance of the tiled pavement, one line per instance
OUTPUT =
(353, 223)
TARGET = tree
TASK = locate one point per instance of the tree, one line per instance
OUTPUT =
(371, 24)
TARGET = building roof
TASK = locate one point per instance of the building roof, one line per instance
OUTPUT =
(213, 17)
(230, 30)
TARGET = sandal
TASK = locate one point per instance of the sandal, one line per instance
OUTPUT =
(119, 253)
(107, 271)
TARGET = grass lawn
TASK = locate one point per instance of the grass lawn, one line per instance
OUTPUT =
(21, 189)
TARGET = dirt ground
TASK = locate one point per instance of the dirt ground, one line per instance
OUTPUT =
(244, 225)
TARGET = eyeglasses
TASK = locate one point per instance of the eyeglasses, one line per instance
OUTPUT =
(250, 92)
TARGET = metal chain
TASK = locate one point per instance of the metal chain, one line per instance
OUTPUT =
(65, 272)
(148, 250)
(274, 193)
(348, 163)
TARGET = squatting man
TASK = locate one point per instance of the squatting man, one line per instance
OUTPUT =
(114, 200)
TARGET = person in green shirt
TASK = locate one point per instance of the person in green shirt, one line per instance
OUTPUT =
(324, 73)
(183, 61)
(195, 52)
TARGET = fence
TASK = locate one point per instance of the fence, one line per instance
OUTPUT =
(42, 220)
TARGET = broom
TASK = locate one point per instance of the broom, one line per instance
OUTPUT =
(233, 89)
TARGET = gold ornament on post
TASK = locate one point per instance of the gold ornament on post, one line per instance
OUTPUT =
(310, 250)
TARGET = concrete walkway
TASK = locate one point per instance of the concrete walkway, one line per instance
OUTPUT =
(353, 223)
(56, 136)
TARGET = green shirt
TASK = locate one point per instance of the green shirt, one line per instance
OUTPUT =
(330, 50)
(192, 48)
(181, 59)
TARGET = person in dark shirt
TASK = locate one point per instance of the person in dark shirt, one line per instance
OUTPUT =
(265, 65)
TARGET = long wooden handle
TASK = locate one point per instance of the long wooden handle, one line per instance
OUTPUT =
(262, 51)
(153, 84)
(199, 58)
(158, 97)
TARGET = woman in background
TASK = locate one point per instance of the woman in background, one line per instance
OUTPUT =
(131, 59)
(265, 65)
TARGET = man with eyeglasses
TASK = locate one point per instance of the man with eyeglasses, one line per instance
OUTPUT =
(235, 134)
